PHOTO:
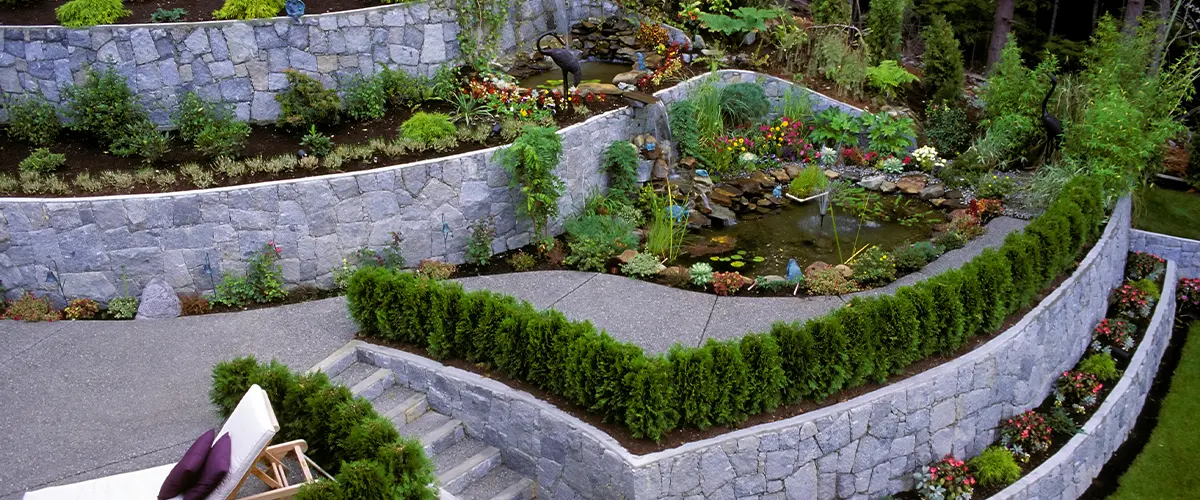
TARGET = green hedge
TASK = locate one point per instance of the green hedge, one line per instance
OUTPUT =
(344, 434)
(723, 382)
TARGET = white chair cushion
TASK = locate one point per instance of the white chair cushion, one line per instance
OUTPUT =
(137, 485)
(251, 427)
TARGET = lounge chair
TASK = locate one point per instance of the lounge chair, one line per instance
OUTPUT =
(251, 428)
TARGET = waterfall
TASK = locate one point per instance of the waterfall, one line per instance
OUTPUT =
(659, 124)
(562, 22)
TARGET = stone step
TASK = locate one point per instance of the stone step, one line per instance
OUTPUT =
(443, 437)
(501, 483)
(457, 453)
(354, 374)
(336, 362)
(460, 476)
(421, 426)
(375, 383)
(407, 410)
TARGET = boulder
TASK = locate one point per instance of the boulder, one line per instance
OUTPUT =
(730, 191)
(780, 175)
(627, 256)
(831, 175)
(630, 77)
(661, 170)
(816, 267)
(938, 202)
(932, 192)
(844, 270)
(873, 183)
(719, 198)
(725, 215)
(697, 220)
(764, 181)
(911, 184)
(887, 187)
(158, 301)
(598, 88)
(792, 169)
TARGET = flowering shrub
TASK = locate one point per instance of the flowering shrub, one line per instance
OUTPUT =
(727, 283)
(966, 225)
(31, 308)
(671, 66)
(1079, 389)
(651, 35)
(1142, 265)
(504, 99)
(985, 210)
(1131, 301)
(829, 281)
(995, 186)
(1113, 333)
(927, 158)
(1025, 434)
(874, 267)
(82, 309)
(948, 479)
(1188, 294)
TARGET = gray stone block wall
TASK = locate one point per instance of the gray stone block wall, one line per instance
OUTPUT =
(242, 62)
(1185, 252)
(1071, 470)
(90, 244)
(866, 447)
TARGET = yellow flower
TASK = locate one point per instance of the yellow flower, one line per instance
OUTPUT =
(785, 123)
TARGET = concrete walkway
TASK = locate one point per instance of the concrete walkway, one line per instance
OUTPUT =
(656, 317)
(86, 399)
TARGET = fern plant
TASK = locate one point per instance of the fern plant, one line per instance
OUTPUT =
(530, 163)
(889, 77)
(620, 163)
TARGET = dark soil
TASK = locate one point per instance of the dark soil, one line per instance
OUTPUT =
(682, 436)
(85, 154)
(41, 12)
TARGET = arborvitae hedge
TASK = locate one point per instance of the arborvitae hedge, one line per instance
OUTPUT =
(344, 433)
(724, 382)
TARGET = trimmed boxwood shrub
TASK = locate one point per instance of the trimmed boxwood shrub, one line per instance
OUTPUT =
(344, 434)
(724, 382)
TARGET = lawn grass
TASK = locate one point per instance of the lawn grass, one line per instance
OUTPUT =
(1169, 212)
(1168, 465)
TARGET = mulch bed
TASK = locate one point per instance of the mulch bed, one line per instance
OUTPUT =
(680, 437)
(41, 12)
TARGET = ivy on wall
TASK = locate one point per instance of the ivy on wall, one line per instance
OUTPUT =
(479, 24)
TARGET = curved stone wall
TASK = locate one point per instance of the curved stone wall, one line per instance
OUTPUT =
(1071, 470)
(1185, 252)
(93, 246)
(865, 447)
(242, 62)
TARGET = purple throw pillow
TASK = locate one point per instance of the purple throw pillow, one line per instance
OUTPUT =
(184, 474)
(216, 466)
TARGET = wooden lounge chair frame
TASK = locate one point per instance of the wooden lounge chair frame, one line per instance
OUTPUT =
(275, 475)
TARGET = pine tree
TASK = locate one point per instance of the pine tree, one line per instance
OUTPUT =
(943, 61)
(883, 29)
(830, 11)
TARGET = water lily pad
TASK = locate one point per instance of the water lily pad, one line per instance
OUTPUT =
(714, 258)
(724, 259)
(737, 264)
(741, 252)
(758, 259)
(736, 257)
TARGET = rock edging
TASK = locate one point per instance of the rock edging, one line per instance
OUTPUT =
(1185, 252)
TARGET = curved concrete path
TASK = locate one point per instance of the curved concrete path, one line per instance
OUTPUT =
(87, 399)
(656, 317)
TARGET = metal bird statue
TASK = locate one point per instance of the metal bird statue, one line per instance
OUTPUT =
(1050, 122)
(565, 58)
(794, 273)
(294, 9)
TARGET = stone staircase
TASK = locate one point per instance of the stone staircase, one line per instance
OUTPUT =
(467, 468)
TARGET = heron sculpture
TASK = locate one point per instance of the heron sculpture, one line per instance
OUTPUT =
(565, 58)
(1050, 122)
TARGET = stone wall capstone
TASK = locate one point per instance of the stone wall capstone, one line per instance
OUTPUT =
(1185, 252)
(1070, 472)
(866, 447)
(241, 63)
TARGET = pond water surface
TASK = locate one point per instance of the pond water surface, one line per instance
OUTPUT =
(592, 70)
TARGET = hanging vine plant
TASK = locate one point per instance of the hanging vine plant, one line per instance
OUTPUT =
(479, 24)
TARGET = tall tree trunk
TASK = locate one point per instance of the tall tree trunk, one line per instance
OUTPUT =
(1133, 10)
(1164, 28)
(1095, 13)
(1053, 19)
(1000, 29)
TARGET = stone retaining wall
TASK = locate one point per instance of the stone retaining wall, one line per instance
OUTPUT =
(242, 62)
(92, 246)
(1070, 472)
(864, 447)
(1185, 252)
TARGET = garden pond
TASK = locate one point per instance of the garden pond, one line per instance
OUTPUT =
(762, 245)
